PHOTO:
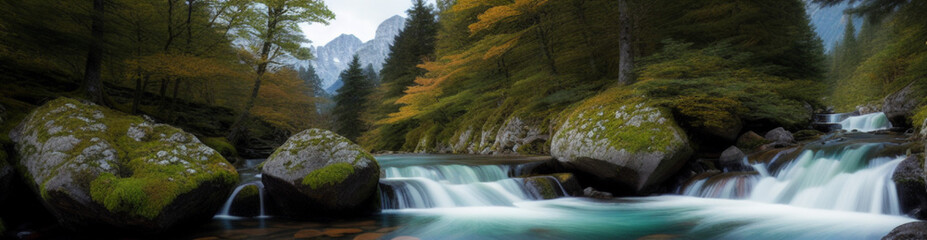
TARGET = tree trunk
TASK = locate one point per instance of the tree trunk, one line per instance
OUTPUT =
(170, 25)
(626, 62)
(189, 26)
(138, 93)
(139, 90)
(173, 107)
(92, 82)
(162, 93)
(237, 128)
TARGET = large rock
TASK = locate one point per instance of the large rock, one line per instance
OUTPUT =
(97, 168)
(908, 231)
(912, 190)
(900, 105)
(319, 174)
(780, 137)
(620, 143)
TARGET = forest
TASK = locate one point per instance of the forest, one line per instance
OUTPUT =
(216, 102)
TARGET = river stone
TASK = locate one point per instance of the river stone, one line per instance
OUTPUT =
(553, 186)
(319, 174)
(908, 231)
(247, 203)
(912, 190)
(733, 159)
(750, 141)
(519, 136)
(592, 193)
(621, 143)
(780, 137)
(96, 168)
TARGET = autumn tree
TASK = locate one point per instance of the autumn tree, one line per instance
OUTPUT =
(272, 31)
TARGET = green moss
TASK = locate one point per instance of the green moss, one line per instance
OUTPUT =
(248, 191)
(544, 187)
(139, 185)
(807, 134)
(221, 145)
(2, 228)
(328, 175)
(597, 115)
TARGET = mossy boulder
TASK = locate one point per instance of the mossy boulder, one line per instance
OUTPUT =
(319, 174)
(619, 142)
(96, 168)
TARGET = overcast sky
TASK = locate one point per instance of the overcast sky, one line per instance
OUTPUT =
(358, 17)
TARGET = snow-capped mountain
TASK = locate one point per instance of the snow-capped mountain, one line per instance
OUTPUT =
(333, 57)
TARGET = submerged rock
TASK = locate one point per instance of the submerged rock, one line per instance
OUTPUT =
(780, 137)
(908, 231)
(912, 190)
(592, 193)
(320, 174)
(95, 168)
(553, 186)
(621, 143)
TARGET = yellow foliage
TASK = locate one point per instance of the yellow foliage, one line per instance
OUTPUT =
(283, 101)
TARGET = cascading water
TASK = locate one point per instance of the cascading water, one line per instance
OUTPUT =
(866, 123)
(443, 186)
(845, 178)
(226, 208)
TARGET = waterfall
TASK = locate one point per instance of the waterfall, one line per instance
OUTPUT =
(834, 118)
(226, 208)
(844, 178)
(866, 123)
(444, 186)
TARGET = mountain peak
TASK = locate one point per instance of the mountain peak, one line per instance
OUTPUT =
(349, 39)
(390, 27)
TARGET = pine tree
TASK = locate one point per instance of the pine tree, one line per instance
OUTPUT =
(312, 79)
(413, 44)
(351, 101)
(372, 76)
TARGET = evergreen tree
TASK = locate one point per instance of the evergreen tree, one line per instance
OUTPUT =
(414, 44)
(312, 79)
(351, 101)
(372, 75)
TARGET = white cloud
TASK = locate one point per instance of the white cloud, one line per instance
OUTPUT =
(358, 17)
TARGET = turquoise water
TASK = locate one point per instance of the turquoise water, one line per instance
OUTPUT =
(667, 216)
(479, 197)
